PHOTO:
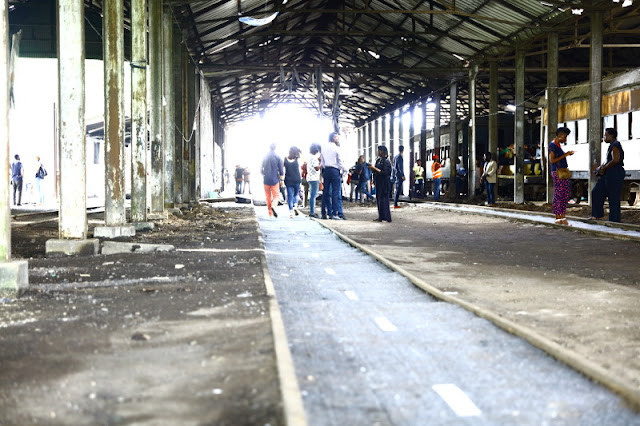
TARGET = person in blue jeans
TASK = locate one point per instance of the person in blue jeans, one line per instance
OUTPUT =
(398, 172)
(313, 178)
(490, 177)
(332, 170)
(610, 179)
(292, 179)
(364, 176)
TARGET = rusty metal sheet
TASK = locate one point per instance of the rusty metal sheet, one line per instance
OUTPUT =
(634, 100)
(616, 103)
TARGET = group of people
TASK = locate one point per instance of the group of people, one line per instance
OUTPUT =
(18, 180)
(610, 177)
(242, 175)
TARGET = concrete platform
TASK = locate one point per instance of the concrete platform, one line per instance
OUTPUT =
(14, 278)
(57, 247)
(111, 232)
(113, 247)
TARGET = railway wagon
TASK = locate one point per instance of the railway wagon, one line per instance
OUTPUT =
(620, 110)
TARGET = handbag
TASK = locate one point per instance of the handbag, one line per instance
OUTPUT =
(563, 173)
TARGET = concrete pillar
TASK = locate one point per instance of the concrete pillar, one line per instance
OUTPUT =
(595, 97)
(370, 145)
(155, 117)
(412, 132)
(139, 110)
(518, 178)
(14, 276)
(400, 130)
(552, 108)
(453, 137)
(392, 131)
(179, 130)
(71, 134)
(191, 128)
(113, 44)
(377, 136)
(423, 131)
(473, 128)
(437, 118)
(168, 110)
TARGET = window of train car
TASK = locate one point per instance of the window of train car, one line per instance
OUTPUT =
(635, 124)
(582, 131)
(571, 137)
(609, 121)
(622, 125)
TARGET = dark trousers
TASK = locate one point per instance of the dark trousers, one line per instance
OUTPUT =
(384, 212)
(608, 186)
(398, 191)
(490, 192)
(331, 192)
(17, 187)
(238, 187)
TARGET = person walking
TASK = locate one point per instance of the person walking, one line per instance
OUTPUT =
(292, 179)
(398, 171)
(313, 178)
(17, 178)
(610, 179)
(436, 175)
(353, 179)
(40, 175)
(364, 177)
(273, 177)
(246, 177)
(239, 179)
(489, 178)
(332, 169)
(382, 179)
(418, 179)
(561, 182)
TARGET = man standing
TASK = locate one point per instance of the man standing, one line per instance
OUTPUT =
(398, 171)
(273, 172)
(239, 178)
(418, 178)
(17, 176)
(332, 169)
(436, 175)
(611, 178)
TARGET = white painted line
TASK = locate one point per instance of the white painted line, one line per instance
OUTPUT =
(213, 250)
(351, 295)
(385, 324)
(329, 271)
(457, 400)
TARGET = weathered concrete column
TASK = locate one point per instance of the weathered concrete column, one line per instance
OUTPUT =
(14, 276)
(191, 119)
(376, 134)
(179, 132)
(518, 178)
(453, 138)
(114, 156)
(595, 97)
(412, 132)
(169, 108)
(360, 150)
(473, 128)
(423, 132)
(552, 108)
(139, 111)
(370, 145)
(155, 117)
(400, 140)
(392, 130)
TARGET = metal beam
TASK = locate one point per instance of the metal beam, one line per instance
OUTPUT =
(139, 110)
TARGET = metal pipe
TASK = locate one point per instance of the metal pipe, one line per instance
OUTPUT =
(138, 111)
(71, 96)
(155, 117)
(113, 41)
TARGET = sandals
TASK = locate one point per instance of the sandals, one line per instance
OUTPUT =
(564, 222)
(595, 218)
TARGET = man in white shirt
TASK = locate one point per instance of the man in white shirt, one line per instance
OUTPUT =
(332, 169)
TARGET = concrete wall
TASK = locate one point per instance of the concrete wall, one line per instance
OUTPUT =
(208, 169)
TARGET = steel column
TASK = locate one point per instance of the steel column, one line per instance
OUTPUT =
(113, 42)
(5, 207)
(595, 97)
(169, 107)
(552, 107)
(139, 110)
(71, 124)
(473, 154)
(453, 136)
(155, 109)
(518, 178)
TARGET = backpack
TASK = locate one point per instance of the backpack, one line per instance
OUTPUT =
(41, 173)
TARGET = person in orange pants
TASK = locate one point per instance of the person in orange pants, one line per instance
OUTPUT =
(273, 177)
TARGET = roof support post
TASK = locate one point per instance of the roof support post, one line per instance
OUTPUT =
(437, 121)
(595, 97)
(473, 127)
(113, 41)
(190, 150)
(453, 139)
(180, 130)
(392, 131)
(552, 107)
(169, 108)
(71, 134)
(384, 131)
(155, 98)
(412, 131)
(493, 114)
(5, 208)
(360, 150)
(139, 110)
(518, 179)
(423, 132)
(376, 137)
(370, 136)
(400, 130)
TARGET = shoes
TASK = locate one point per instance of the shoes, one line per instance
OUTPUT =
(397, 207)
(324, 217)
(562, 222)
(274, 212)
(336, 218)
(595, 218)
(314, 215)
(341, 216)
(295, 210)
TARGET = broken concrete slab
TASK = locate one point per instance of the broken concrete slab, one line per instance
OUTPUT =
(113, 247)
(14, 278)
(114, 231)
(143, 226)
(157, 215)
(59, 247)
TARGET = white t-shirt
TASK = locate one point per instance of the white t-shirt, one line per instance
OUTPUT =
(312, 173)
